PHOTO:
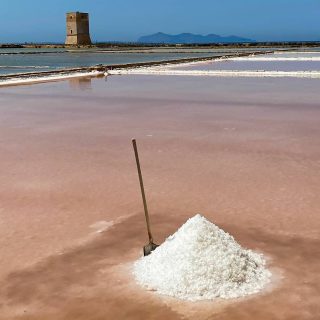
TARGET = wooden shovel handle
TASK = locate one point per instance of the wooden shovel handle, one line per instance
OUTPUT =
(142, 190)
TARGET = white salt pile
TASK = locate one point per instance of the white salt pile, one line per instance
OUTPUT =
(201, 261)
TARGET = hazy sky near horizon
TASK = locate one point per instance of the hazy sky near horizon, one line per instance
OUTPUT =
(126, 20)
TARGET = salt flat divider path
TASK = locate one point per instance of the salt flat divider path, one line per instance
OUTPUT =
(49, 78)
(218, 73)
(61, 74)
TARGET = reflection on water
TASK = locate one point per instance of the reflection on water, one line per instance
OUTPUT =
(81, 84)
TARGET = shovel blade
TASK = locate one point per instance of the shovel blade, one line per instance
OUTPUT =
(149, 248)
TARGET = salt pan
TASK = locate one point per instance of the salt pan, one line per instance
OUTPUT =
(200, 262)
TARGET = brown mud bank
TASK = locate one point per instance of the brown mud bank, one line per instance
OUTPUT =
(243, 152)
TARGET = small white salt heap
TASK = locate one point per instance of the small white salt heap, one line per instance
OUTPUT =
(200, 262)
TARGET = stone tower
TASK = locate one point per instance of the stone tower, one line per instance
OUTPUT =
(78, 29)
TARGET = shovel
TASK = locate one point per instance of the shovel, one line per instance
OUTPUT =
(150, 246)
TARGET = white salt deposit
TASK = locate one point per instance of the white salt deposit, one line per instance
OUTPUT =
(42, 78)
(274, 58)
(216, 73)
(200, 262)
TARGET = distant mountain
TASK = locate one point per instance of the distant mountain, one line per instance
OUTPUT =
(189, 38)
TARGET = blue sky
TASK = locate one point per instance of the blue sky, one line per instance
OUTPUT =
(126, 20)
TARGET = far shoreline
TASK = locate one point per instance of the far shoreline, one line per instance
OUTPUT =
(133, 45)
